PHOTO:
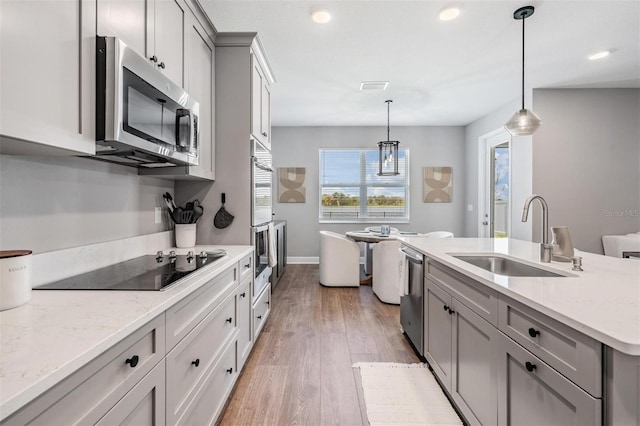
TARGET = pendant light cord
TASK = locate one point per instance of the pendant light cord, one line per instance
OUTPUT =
(388, 103)
(523, 19)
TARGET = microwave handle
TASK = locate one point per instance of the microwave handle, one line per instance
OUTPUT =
(181, 114)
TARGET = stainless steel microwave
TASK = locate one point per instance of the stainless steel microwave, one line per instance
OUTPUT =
(143, 119)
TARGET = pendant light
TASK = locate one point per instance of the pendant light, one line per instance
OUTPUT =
(523, 122)
(388, 153)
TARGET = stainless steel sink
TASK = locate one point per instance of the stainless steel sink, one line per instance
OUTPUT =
(504, 266)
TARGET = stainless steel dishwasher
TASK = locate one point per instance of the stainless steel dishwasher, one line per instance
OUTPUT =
(412, 305)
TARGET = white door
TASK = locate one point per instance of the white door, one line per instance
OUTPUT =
(494, 182)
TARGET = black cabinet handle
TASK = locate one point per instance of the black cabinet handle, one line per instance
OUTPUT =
(267, 302)
(196, 362)
(446, 308)
(533, 332)
(451, 311)
(530, 367)
(161, 65)
(229, 320)
(230, 370)
(133, 361)
(154, 58)
(243, 294)
(259, 317)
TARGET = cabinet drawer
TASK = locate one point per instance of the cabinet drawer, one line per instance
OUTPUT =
(576, 356)
(184, 315)
(476, 296)
(93, 390)
(208, 404)
(143, 405)
(189, 362)
(261, 310)
(530, 392)
(245, 266)
(245, 333)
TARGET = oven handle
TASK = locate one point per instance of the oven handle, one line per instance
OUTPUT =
(262, 166)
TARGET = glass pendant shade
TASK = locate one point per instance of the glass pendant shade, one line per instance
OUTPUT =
(388, 158)
(523, 123)
(388, 153)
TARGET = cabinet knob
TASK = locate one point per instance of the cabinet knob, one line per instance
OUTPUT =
(451, 311)
(267, 302)
(230, 370)
(133, 361)
(264, 134)
(533, 332)
(229, 320)
(196, 362)
(446, 308)
(243, 295)
(154, 58)
(247, 266)
(259, 317)
(161, 65)
(530, 367)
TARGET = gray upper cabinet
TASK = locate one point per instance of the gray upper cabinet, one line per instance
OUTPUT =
(47, 51)
(260, 103)
(154, 28)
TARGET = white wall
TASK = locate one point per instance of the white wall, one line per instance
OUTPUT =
(428, 146)
(521, 170)
(586, 161)
(51, 203)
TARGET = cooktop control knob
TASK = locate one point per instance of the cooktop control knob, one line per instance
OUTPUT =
(172, 254)
(159, 255)
(189, 256)
(203, 255)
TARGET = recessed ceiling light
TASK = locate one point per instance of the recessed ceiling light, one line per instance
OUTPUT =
(320, 16)
(374, 85)
(449, 13)
(599, 55)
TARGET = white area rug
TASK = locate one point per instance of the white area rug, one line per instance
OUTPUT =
(404, 394)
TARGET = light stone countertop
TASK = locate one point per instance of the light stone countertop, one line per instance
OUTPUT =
(60, 331)
(603, 301)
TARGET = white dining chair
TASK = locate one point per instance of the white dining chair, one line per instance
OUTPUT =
(384, 277)
(339, 260)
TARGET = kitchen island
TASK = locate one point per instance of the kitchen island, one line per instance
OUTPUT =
(74, 342)
(541, 349)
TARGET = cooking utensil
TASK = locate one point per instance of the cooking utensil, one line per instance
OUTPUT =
(186, 216)
(197, 212)
(222, 218)
(176, 214)
(168, 203)
(170, 198)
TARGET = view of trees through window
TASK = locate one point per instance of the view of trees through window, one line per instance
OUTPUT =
(351, 190)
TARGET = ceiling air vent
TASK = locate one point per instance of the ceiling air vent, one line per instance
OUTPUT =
(374, 85)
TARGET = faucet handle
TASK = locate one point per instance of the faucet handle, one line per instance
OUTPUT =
(577, 263)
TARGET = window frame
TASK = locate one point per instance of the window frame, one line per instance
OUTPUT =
(364, 187)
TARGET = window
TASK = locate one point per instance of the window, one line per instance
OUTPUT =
(351, 190)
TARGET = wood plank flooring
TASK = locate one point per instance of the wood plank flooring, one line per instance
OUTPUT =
(300, 371)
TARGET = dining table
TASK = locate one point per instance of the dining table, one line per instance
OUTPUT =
(371, 237)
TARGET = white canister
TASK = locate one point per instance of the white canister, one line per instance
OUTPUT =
(15, 278)
(185, 235)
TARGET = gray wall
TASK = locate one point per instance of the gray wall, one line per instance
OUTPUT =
(51, 203)
(520, 171)
(428, 146)
(586, 161)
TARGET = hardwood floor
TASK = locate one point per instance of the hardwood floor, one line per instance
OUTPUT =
(300, 371)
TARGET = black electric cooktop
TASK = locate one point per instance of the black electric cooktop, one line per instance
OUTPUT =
(142, 273)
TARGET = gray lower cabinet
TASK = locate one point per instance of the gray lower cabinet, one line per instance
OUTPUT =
(460, 349)
(530, 392)
(143, 405)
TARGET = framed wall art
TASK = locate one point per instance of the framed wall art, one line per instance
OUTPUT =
(437, 184)
(292, 186)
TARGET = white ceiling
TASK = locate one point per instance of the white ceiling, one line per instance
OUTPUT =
(440, 73)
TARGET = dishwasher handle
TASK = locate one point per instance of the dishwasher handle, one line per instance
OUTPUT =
(412, 256)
